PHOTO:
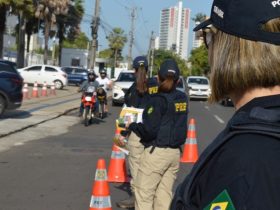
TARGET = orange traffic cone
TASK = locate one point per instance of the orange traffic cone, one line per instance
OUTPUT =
(190, 154)
(52, 92)
(44, 91)
(25, 91)
(35, 93)
(100, 196)
(117, 166)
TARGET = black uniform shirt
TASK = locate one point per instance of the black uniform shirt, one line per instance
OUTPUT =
(247, 166)
(152, 114)
(133, 99)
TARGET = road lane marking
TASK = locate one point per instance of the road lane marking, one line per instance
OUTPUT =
(206, 107)
(18, 144)
(219, 119)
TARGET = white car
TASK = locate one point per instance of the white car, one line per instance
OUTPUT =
(199, 87)
(44, 73)
(121, 85)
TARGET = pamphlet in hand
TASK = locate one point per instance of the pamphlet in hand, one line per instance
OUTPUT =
(131, 114)
(127, 115)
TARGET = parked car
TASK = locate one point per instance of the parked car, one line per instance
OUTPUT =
(182, 85)
(44, 73)
(199, 87)
(10, 87)
(121, 85)
(11, 63)
(75, 75)
(226, 101)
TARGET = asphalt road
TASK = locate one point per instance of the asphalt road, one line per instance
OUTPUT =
(51, 166)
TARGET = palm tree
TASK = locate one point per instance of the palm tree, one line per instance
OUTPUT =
(4, 5)
(199, 17)
(47, 11)
(117, 40)
(25, 10)
(69, 25)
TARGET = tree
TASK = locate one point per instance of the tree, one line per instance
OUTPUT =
(81, 42)
(107, 53)
(199, 61)
(24, 9)
(161, 55)
(3, 9)
(69, 25)
(47, 11)
(117, 40)
(199, 17)
(32, 27)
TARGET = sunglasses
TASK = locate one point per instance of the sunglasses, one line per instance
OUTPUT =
(207, 36)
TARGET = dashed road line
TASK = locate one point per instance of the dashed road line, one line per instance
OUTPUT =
(219, 119)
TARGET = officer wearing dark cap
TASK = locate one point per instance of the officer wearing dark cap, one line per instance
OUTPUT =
(162, 133)
(137, 96)
(240, 168)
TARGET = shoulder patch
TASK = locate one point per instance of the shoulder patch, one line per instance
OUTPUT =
(221, 202)
(150, 110)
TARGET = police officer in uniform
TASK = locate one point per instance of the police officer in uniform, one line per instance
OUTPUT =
(240, 168)
(162, 132)
(137, 96)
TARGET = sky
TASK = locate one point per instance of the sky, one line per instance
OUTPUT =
(116, 13)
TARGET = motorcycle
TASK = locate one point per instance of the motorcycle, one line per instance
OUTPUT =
(88, 100)
(101, 96)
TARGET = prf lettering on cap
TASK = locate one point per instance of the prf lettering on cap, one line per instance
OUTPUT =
(153, 90)
(275, 3)
(181, 107)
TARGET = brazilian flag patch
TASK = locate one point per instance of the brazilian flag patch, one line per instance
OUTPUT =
(221, 202)
(150, 110)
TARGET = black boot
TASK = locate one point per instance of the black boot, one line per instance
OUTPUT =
(127, 203)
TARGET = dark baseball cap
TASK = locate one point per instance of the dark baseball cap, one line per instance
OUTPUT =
(244, 18)
(169, 66)
(140, 61)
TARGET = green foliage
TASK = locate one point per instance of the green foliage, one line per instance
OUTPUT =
(40, 51)
(117, 39)
(199, 17)
(107, 53)
(199, 61)
(81, 42)
(161, 55)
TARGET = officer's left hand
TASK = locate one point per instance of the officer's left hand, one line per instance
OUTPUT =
(121, 141)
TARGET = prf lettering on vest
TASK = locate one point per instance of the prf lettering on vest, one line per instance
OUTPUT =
(153, 90)
(181, 107)
(275, 3)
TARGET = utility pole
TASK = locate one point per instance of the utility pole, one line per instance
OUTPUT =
(94, 33)
(151, 53)
(131, 34)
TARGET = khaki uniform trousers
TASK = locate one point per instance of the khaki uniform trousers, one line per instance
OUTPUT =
(135, 150)
(155, 178)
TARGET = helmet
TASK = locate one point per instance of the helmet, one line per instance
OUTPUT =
(91, 75)
(103, 72)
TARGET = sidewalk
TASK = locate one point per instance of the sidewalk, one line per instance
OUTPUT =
(38, 110)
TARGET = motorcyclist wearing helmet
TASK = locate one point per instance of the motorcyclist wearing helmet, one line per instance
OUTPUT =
(105, 83)
(91, 81)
